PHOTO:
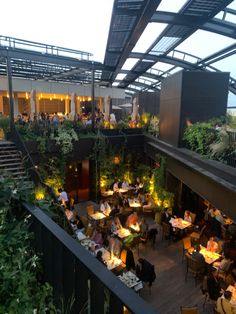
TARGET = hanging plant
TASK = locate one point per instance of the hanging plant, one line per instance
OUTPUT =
(64, 139)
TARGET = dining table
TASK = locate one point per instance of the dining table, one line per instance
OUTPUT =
(97, 216)
(180, 223)
(210, 257)
(122, 233)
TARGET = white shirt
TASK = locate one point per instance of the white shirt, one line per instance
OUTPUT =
(63, 197)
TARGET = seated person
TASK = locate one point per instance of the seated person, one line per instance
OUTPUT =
(105, 208)
(114, 245)
(78, 222)
(125, 185)
(145, 271)
(196, 255)
(97, 237)
(224, 264)
(149, 204)
(142, 198)
(132, 219)
(187, 216)
(213, 285)
(166, 216)
(99, 257)
(116, 224)
(212, 245)
(116, 186)
(223, 305)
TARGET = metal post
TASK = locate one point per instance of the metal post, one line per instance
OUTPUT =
(92, 96)
(9, 78)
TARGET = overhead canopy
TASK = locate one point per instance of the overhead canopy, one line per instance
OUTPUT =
(148, 41)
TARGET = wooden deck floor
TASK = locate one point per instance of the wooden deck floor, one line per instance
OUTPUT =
(170, 290)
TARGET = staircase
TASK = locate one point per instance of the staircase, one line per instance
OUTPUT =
(11, 163)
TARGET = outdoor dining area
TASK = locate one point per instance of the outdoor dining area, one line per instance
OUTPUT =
(159, 257)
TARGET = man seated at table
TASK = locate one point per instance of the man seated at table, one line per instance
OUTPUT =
(197, 256)
(213, 285)
(115, 224)
(97, 237)
(212, 245)
(99, 257)
(149, 203)
(223, 305)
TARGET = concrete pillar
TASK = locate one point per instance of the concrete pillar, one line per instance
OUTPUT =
(107, 107)
(1, 104)
(32, 103)
(16, 106)
(37, 105)
(73, 103)
(67, 107)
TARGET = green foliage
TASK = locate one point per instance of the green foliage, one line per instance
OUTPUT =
(64, 138)
(20, 291)
(199, 136)
(211, 138)
(153, 126)
(4, 124)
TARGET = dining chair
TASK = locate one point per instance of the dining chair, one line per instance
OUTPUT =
(186, 246)
(165, 231)
(196, 235)
(192, 266)
(189, 309)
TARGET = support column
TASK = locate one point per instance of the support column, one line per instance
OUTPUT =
(1, 105)
(67, 107)
(32, 104)
(9, 79)
(72, 106)
(16, 105)
(92, 95)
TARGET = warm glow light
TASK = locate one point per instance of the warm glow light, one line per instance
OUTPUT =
(116, 160)
(50, 98)
(67, 97)
(41, 95)
(26, 96)
(78, 98)
(54, 96)
(39, 193)
(7, 95)
(61, 99)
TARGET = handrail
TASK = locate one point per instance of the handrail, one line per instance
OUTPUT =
(30, 166)
(48, 234)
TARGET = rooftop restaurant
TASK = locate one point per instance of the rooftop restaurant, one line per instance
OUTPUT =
(118, 194)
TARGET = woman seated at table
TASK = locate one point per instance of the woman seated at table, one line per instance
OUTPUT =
(105, 208)
(213, 285)
(97, 237)
(116, 224)
(187, 216)
(132, 219)
(212, 245)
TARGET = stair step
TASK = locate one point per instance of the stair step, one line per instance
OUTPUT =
(8, 160)
(11, 166)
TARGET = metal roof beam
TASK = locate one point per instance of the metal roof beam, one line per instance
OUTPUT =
(215, 25)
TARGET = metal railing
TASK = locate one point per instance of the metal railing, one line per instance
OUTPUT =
(76, 276)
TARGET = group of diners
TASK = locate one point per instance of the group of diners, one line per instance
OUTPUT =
(210, 251)
(112, 242)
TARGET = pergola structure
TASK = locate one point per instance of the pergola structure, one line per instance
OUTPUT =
(129, 21)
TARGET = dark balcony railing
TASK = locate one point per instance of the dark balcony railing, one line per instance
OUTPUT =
(75, 274)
